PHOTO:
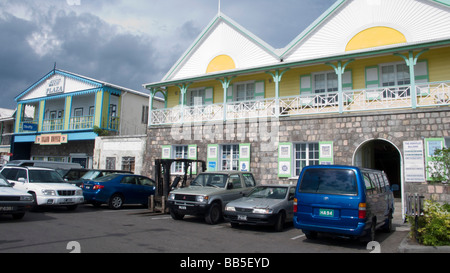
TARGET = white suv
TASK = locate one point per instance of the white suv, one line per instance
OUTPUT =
(46, 185)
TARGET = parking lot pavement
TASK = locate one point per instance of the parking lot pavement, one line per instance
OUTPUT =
(133, 229)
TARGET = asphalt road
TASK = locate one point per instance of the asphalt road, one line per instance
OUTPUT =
(134, 230)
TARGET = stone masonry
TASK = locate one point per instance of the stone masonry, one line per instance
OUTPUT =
(347, 131)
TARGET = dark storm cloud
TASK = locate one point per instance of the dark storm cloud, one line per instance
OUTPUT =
(127, 43)
(79, 43)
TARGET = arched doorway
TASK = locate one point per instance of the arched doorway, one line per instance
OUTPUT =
(381, 155)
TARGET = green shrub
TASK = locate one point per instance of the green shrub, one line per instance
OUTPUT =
(434, 226)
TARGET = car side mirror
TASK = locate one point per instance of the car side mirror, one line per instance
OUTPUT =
(22, 180)
(12, 184)
(229, 186)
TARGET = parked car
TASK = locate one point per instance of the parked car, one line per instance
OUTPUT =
(46, 185)
(44, 164)
(264, 205)
(13, 201)
(115, 190)
(94, 174)
(209, 193)
(343, 200)
(72, 175)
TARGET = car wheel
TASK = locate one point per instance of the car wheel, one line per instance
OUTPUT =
(214, 214)
(370, 236)
(176, 216)
(279, 223)
(72, 207)
(18, 216)
(311, 235)
(116, 201)
(387, 227)
(35, 206)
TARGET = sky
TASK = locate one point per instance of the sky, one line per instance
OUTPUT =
(126, 42)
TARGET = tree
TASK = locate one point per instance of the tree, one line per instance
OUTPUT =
(439, 168)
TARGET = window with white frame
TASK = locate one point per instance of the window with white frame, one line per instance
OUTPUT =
(229, 157)
(395, 74)
(180, 152)
(195, 97)
(245, 91)
(305, 154)
(326, 84)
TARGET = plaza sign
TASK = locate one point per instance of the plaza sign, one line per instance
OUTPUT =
(56, 85)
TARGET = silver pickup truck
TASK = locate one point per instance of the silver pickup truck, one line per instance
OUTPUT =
(209, 193)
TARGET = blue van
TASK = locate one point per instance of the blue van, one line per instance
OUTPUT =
(343, 200)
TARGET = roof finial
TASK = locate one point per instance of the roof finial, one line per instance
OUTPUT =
(54, 67)
(219, 8)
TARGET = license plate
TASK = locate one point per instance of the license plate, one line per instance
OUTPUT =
(182, 207)
(242, 217)
(326, 212)
(6, 208)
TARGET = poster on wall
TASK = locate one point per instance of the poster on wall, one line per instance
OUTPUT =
(414, 161)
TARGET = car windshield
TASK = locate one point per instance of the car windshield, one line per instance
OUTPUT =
(3, 182)
(268, 192)
(90, 175)
(210, 180)
(329, 181)
(44, 176)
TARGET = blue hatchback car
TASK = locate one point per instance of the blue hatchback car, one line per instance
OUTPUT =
(115, 190)
(343, 200)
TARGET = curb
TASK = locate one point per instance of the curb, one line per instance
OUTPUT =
(407, 246)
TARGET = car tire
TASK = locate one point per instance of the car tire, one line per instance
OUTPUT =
(311, 235)
(35, 206)
(214, 214)
(387, 227)
(18, 216)
(234, 225)
(116, 201)
(176, 216)
(279, 223)
(72, 207)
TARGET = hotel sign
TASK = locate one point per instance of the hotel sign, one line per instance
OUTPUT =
(51, 139)
(56, 85)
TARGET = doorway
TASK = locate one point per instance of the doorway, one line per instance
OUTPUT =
(381, 155)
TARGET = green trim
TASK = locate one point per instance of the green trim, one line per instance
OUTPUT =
(326, 159)
(244, 160)
(283, 65)
(212, 162)
(193, 157)
(377, 82)
(306, 90)
(312, 27)
(167, 149)
(430, 158)
(262, 94)
(210, 100)
(285, 161)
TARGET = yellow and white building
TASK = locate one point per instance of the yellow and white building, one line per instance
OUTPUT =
(358, 86)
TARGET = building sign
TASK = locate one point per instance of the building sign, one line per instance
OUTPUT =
(414, 161)
(53, 139)
(30, 127)
(56, 85)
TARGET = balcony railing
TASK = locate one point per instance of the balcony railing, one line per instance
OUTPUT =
(53, 125)
(75, 123)
(382, 98)
(79, 123)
